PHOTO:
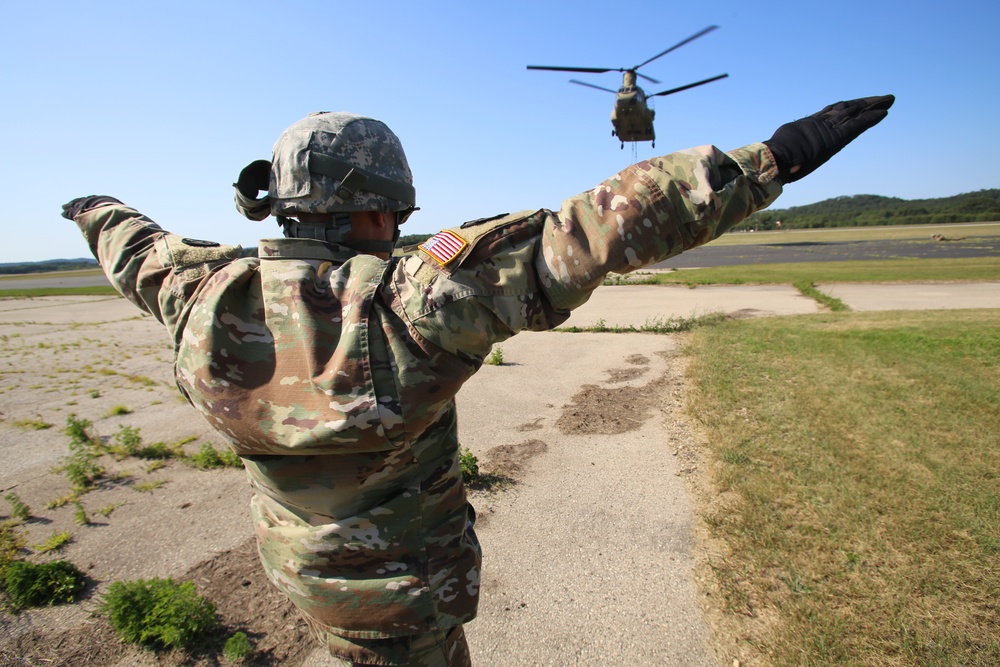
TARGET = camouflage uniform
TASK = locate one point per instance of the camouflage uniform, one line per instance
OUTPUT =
(333, 374)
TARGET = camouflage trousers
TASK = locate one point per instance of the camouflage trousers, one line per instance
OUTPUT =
(443, 648)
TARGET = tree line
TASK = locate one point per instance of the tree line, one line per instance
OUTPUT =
(870, 210)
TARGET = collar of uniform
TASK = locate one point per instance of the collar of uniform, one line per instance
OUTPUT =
(303, 249)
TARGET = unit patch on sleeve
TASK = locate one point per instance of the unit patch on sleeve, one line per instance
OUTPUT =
(444, 246)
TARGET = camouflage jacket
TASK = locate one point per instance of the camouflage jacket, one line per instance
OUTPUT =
(333, 374)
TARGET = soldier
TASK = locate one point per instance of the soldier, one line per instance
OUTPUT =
(331, 367)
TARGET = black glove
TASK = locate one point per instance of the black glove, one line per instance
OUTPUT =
(803, 145)
(81, 204)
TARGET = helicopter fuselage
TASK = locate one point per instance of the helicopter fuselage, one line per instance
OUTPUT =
(632, 118)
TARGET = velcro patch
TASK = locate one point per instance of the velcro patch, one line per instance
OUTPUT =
(444, 246)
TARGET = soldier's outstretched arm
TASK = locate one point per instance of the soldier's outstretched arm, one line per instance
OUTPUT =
(470, 287)
(139, 258)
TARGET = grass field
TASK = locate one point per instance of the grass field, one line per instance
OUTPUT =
(52, 274)
(856, 465)
(844, 234)
(870, 271)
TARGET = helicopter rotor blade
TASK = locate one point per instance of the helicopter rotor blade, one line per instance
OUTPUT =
(647, 78)
(690, 85)
(678, 45)
(593, 70)
(590, 85)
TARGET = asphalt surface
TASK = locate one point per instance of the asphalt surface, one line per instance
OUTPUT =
(832, 251)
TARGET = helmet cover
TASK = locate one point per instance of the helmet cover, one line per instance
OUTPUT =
(360, 142)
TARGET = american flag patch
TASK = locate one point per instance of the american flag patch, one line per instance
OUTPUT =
(444, 246)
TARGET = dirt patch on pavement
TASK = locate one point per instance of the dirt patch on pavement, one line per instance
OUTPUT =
(508, 460)
(603, 411)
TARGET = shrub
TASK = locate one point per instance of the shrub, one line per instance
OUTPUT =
(237, 647)
(209, 457)
(496, 357)
(36, 585)
(157, 450)
(80, 466)
(469, 464)
(158, 612)
(127, 441)
(78, 430)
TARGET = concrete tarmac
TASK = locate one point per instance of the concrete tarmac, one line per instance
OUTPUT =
(588, 555)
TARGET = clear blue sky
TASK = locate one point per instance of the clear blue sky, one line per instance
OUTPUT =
(161, 104)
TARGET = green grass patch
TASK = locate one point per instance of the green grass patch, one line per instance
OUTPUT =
(658, 325)
(18, 509)
(11, 542)
(159, 450)
(857, 474)
(33, 424)
(55, 542)
(209, 457)
(847, 234)
(150, 486)
(96, 290)
(869, 271)
(808, 289)
(118, 411)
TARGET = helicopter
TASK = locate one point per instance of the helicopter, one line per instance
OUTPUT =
(632, 116)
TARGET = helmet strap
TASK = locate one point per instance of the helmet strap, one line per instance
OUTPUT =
(335, 232)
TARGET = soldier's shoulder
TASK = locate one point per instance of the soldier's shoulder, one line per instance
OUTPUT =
(182, 253)
(477, 239)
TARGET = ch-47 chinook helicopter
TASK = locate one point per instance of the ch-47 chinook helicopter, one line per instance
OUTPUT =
(632, 117)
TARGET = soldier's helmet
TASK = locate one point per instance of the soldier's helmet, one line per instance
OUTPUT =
(329, 162)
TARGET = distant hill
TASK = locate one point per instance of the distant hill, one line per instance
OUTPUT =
(868, 210)
(48, 265)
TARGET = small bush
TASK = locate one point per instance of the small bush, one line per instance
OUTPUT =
(118, 410)
(36, 585)
(82, 470)
(469, 464)
(237, 647)
(158, 450)
(127, 441)
(18, 509)
(81, 466)
(496, 357)
(158, 612)
(78, 430)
